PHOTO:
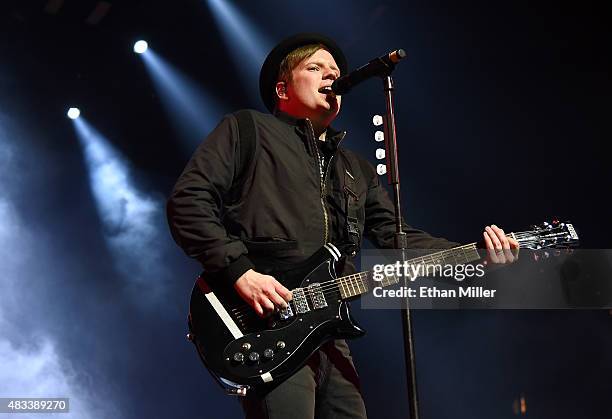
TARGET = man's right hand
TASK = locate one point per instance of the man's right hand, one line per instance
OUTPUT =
(262, 292)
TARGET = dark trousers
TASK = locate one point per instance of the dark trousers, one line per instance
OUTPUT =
(326, 387)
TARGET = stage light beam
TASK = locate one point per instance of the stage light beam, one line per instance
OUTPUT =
(192, 111)
(247, 45)
(129, 217)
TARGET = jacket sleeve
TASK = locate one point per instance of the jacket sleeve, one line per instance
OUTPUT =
(195, 205)
(380, 218)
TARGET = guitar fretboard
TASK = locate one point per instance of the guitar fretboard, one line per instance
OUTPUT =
(548, 235)
(357, 284)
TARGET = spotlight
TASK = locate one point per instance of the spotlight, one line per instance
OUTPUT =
(140, 47)
(381, 169)
(380, 153)
(379, 136)
(377, 120)
(73, 113)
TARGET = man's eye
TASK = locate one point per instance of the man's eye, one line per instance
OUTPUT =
(314, 67)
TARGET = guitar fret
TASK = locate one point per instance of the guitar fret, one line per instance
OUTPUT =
(347, 282)
(346, 288)
(342, 293)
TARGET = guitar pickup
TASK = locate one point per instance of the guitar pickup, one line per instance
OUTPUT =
(317, 296)
(299, 299)
(285, 313)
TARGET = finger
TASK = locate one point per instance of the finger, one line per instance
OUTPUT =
(266, 304)
(494, 238)
(497, 245)
(508, 248)
(505, 254)
(501, 258)
(515, 246)
(487, 240)
(501, 236)
(497, 253)
(258, 309)
(282, 291)
(276, 299)
(508, 255)
(490, 247)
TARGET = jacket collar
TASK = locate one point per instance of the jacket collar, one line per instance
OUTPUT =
(334, 137)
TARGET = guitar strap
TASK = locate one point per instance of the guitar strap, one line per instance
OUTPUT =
(351, 229)
(248, 151)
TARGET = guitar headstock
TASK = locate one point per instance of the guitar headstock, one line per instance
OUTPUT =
(553, 234)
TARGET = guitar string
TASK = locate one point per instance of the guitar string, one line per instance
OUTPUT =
(346, 282)
(246, 313)
(332, 287)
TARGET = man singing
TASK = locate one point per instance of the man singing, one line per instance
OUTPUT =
(238, 208)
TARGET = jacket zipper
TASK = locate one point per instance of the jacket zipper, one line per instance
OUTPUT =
(323, 176)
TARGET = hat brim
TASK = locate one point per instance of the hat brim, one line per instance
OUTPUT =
(270, 68)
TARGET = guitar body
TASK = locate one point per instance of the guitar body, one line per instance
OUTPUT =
(244, 351)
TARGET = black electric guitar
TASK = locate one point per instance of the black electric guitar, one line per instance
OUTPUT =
(247, 353)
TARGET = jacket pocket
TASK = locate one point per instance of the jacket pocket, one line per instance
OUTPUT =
(270, 245)
(272, 253)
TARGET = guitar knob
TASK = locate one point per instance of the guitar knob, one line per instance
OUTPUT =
(280, 344)
(268, 353)
(253, 357)
(246, 346)
(238, 358)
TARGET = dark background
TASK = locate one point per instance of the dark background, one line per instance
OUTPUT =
(503, 112)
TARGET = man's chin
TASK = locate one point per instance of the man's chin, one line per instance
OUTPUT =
(330, 107)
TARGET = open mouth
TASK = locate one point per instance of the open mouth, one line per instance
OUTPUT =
(326, 90)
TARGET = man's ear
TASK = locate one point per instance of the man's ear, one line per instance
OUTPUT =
(281, 90)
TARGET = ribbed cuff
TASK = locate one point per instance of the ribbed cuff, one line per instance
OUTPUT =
(236, 269)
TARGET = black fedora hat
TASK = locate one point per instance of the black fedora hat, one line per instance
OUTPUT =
(269, 70)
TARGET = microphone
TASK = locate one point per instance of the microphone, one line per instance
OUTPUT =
(377, 67)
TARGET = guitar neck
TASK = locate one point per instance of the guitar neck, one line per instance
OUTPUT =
(358, 284)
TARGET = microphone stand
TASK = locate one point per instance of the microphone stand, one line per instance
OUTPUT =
(400, 242)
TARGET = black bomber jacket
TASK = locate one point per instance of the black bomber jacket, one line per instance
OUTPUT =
(290, 204)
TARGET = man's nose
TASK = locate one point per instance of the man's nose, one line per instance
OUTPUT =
(329, 75)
